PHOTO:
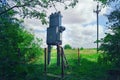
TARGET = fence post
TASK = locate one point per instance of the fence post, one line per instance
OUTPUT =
(58, 55)
(62, 63)
(78, 56)
(49, 54)
(45, 60)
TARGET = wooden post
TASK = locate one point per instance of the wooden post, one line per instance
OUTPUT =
(78, 55)
(58, 55)
(65, 62)
(62, 63)
(49, 54)
(45, 60)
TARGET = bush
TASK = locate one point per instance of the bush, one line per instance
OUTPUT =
(81, 48)
(14, 59)
(67, 46)
(110, 45)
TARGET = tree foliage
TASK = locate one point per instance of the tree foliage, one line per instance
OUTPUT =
(17, 48)
(35, 8)
(67, 46)
(81, 48)
(108, 2)
(111, 43)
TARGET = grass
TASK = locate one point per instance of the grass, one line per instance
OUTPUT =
(87, 69)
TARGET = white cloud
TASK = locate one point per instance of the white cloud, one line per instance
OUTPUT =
(81, 14)
(79, 30)
(80, 36)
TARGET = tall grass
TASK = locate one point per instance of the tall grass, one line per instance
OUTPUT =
(87, 69)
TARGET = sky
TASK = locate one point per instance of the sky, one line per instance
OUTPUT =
(80, 24)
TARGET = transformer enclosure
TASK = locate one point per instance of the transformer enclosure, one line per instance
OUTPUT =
(55, 29)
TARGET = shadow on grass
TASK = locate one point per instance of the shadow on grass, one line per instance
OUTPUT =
(86, 70)
(22, 72)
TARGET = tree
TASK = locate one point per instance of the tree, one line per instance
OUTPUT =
(34, 8)
(111, 43)
(107, 1)
(67, 46)
(17, 48)
(81, 48)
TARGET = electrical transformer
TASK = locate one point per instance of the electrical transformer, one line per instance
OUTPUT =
(54, 32)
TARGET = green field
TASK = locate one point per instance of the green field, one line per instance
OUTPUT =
(87, 69)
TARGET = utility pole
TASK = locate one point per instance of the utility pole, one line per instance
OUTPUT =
(97, 13)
